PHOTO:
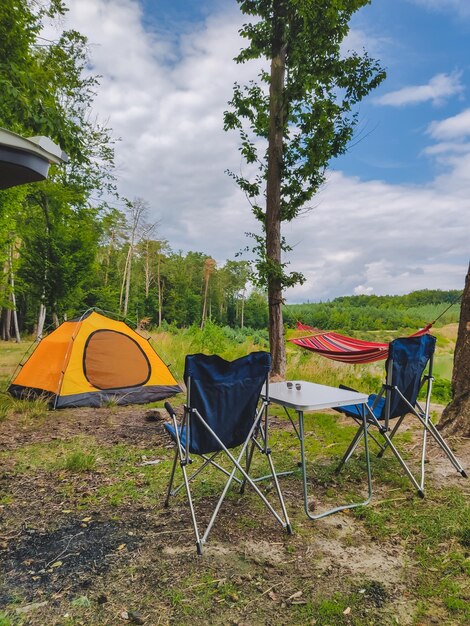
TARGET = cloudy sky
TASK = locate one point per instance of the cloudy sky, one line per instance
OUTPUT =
(394, 214)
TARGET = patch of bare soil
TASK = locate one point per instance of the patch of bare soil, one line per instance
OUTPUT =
(440, 468)
(107, 425)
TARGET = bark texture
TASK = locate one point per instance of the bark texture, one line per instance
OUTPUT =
(273, 197)
(456, 416)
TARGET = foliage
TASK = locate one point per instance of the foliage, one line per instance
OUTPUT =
(47, 90)
(308, 116)
(441, 390)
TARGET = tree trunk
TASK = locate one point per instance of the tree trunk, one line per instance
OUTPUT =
(13, 298)
(128, 283)
(6, 325)
(137, 210)
(3, 295)
(209, 267)
(147, 269)
(108, 257)
(204, 305)
(159, 287)
(41, 321)
(123, 283)
(455, 419)
(273, 195)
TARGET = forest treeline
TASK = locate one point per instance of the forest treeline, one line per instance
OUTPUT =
(115, 261)
(347, 313)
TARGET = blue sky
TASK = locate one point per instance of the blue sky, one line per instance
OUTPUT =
(419, 41)
(394, 214)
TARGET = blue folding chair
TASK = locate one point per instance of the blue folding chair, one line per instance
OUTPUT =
(408, 370)
(223, 411)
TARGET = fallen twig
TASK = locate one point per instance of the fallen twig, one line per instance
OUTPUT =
(63, 551)
(263, 594)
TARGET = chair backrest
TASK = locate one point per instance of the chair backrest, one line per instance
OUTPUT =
(408, 358)
(226, 394)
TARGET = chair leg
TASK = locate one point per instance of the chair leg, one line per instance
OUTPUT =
(237, 466)
(390, 436)
(249, 458)
(389, 443)
(444, 447)
(352, 446)
(172, 477)
(191, 508)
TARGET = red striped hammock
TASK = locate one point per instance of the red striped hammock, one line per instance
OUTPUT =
(345, 349)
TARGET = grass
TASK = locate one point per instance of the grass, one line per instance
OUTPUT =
(80, 462)
(433, 532)
(255, 574)
(34, 409)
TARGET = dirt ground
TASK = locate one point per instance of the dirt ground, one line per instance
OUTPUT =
(62, 564)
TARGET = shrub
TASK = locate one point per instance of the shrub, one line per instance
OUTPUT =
(441, 391)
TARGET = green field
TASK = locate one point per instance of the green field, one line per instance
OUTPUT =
(174, 344)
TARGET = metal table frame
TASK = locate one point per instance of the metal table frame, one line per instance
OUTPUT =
(314, 397)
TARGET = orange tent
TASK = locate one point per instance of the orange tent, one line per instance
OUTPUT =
(93, 360)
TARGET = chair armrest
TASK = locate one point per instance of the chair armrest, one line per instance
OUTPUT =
(170, 409)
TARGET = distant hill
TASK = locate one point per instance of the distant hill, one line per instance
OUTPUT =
(349, 313)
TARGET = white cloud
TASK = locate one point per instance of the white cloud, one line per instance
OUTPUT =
(445, 147)
(437, 90)
(359, 40)
(460, 7)
(165, 96)
(456, 127)
(401, 237)
(362, 290)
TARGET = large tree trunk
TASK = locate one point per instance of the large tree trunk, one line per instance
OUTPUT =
(456, 416)
(273, 195)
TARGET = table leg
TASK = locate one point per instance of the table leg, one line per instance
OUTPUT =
(304, 470)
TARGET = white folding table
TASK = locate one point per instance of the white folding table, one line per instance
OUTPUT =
(301, 396)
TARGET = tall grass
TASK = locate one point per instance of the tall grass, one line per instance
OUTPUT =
(173, 344)
(33, 409)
